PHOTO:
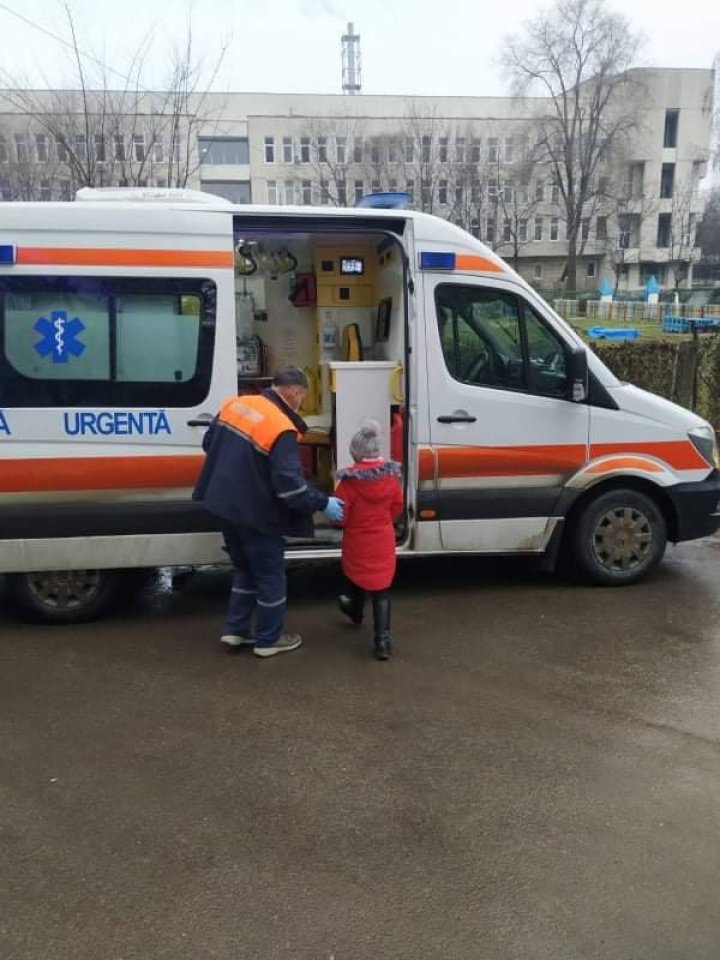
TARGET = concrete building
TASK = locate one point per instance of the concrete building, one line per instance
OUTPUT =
(470, 159)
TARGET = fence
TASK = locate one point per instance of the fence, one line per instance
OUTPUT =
(633, 310)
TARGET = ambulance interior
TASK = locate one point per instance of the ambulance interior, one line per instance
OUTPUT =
(333, 305)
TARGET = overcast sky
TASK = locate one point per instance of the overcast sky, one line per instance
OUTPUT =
(408, 46)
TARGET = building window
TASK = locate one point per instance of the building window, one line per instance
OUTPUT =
(493, 150)
(475, 147)
(375, 186)
(340, 147)
(443, 150)
(601, 228)
(555, 190)
(672, 121)
(492, 190)
(392, 185)
(119, 148)
(554, 228)
(664, 230)
(41, 147)
(158, 152)
(161, 183)
(410, 190)
(426, 149)
(667, 181)
(475, 191)
(3, 150)
(322, 150)
(304, 149)
(538, 228)
(220, 151)
(523, 231)
(507, 231)
(490, 231)
(287, 148)
(475, 227)
(591, 270)
(142, 182)
(272, 193)
(306, 192)
(324, 192)
(357, 150)
(409, 151)
(21, 147)
(81, 146)
(509, 150)
(269, 149)
(539, 191)
(100, 148)
(45, 190)
(508, 193)
(139, 147)
(460, 149)
(538, 271)
(426, 194)
(459, 195)
(443, 192)
(342, 193)
(359, 190)
(375, 152)
(585, 230)
(289, 192)
(236, 191)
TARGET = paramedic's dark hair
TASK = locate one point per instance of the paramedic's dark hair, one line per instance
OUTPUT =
(290, 377)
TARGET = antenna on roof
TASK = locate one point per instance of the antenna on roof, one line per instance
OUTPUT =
(351, 64)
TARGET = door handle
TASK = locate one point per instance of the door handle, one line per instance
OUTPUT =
(204, 420)
(457, 418)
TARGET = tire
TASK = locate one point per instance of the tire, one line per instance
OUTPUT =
(63, 596)
(619, 537)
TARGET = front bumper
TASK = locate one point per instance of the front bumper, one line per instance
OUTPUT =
(697, 508)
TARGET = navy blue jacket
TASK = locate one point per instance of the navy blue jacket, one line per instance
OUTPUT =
(255, 480)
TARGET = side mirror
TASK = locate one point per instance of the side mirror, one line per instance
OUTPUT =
(576, 364)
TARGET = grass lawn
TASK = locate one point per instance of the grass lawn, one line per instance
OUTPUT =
(649, 329)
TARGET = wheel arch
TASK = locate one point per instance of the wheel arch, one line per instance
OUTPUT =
(574, 505)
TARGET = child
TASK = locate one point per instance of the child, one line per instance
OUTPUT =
(372, 498)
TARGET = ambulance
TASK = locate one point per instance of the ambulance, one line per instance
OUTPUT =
(129, 316)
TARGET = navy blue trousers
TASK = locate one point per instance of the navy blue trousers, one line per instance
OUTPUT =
(258, 598)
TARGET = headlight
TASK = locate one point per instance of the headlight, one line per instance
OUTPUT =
(705, 442)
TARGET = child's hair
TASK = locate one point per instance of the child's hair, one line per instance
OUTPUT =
(365, 444)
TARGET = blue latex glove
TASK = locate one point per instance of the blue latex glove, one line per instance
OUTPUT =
(334, 510)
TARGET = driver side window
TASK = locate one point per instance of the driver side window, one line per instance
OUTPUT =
(491, 338)
(480, 336)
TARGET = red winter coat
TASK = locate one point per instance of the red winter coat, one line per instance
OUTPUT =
(373, 499)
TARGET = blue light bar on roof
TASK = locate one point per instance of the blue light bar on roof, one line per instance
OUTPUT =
(436, 260)
(7, 253)
(392, 200)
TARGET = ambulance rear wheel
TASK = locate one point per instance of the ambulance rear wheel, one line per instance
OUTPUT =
(63, 596)
(619, 537)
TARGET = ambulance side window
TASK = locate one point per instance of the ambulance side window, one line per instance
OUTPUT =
(492, 338)
(105, 341)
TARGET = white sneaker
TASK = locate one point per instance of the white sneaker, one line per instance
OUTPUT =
(284, 644)
(232, 640)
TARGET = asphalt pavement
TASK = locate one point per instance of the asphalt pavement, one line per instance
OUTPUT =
(535, 774)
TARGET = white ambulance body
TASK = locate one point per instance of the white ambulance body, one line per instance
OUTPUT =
(127, 320)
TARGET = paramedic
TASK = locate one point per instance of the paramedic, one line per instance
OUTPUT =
(252, 480)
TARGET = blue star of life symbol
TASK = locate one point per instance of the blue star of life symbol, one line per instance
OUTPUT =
(59, 336)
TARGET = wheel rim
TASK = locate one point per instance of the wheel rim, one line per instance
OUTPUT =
(623, 539)
(64, 589)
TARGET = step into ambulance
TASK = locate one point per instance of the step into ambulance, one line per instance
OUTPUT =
(128, 317)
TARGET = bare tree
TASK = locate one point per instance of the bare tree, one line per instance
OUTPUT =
(578, 53)
(100, 133)
(677, 232)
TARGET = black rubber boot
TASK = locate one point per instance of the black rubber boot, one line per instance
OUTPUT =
(352, 604)
(381, 616)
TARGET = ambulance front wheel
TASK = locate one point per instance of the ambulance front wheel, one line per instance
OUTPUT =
(64, 596)
(619, 537)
